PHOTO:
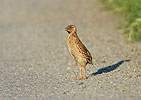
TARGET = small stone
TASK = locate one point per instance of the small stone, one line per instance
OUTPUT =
(84, 86)
(81, 83)
(124, 90)
(73, 73)
(103, 61)
(64, 92)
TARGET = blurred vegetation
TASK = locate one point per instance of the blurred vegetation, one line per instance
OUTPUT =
(131, 13)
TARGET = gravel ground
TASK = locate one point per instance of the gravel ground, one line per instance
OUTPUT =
(36, 65)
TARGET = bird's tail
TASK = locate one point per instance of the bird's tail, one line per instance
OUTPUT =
(90, 62)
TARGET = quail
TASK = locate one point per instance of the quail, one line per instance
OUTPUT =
(77, 49)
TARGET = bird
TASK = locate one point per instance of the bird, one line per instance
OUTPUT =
(77, 49)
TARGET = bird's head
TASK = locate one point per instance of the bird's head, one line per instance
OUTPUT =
(70, 28)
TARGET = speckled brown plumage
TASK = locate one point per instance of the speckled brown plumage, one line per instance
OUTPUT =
(77, 49)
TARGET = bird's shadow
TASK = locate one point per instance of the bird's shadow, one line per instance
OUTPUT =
(109, 68)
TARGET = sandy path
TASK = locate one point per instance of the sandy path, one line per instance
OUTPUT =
(35, 63)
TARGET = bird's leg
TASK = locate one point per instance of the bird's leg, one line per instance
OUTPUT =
(84, 73)
(79, 78)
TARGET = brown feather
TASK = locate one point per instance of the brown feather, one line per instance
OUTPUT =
(84, 51)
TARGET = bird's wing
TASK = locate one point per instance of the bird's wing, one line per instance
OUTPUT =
(84, 51)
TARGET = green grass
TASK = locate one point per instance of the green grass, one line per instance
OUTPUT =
(131, 12)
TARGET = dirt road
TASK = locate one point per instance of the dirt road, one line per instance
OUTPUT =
(36, 65)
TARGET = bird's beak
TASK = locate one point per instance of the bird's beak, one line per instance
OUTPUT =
(66, 29)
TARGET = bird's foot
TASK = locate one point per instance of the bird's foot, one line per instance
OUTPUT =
(85, 77)
(79, 78)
